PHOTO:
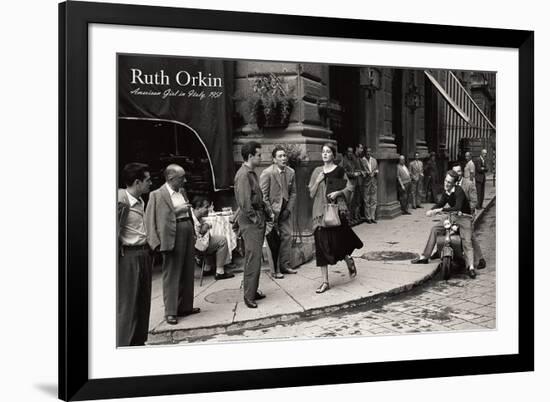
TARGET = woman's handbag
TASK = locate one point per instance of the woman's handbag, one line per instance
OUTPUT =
(331, 217)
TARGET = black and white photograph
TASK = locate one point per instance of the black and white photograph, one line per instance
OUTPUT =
(274, 201)
(262, 200)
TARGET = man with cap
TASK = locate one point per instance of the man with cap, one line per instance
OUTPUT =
(278, 186)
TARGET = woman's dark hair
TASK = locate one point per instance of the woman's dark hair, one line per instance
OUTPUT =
(134, 171)
(249, 148)
(331, 147)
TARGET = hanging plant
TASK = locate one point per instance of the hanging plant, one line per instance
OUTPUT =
(270, 103)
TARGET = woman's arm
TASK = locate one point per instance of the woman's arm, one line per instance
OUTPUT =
(316, 178)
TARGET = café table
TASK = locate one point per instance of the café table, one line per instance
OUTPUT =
(222, 226)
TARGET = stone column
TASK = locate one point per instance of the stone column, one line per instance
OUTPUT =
(386, 150)
(419, 115)
(307, 131)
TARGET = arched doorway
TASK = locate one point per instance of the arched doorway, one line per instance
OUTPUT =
(344, 88)
(159, 143)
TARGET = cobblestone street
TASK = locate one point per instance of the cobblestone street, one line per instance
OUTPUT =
(458, 304)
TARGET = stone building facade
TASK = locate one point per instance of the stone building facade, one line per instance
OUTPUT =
(393, 111)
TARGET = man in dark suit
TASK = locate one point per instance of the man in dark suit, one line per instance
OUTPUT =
(251, 218)
(278, 186)
(481, 169)
(170, 230)
(134, 260)
(354, 170)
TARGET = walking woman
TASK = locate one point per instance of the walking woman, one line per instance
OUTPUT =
(329, 183)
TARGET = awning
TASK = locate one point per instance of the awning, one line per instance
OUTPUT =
(463, 117)
(447, 97)
(191, 92)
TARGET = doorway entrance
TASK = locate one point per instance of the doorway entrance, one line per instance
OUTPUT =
(344, 88)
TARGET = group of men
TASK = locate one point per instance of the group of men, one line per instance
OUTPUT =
(169, 226)
(463, 193)
(410, 183)
(362, 170)
(267, 202)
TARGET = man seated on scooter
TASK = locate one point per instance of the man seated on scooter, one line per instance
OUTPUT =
(455, 197)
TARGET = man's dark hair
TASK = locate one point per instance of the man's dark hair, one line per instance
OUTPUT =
(453, 174)
(249, 148)
(134, 171)
(276, 149)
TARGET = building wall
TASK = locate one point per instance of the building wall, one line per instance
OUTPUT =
(310, 127)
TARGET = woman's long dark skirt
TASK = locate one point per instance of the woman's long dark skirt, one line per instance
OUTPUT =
(333, 244)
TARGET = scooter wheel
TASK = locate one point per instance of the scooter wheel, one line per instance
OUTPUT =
(446, 267)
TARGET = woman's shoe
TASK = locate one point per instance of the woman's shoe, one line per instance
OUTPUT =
(323, 288)
(351, 267)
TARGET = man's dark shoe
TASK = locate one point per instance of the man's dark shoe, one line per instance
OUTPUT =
(420, 260)
(481, 264)
(250, 303)
(230, 266)
(171, 319)
(373, 221)
(195, 310)
(406, 213)
(435, 255)
(259, 295)
(419, 206)
(225, 275)
(209, 273)
(472, 273)
(289, 271)
(368, 220)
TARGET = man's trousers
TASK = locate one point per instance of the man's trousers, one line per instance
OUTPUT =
(253, 237)
(217, 250)
(415, 193)
(480, 188)
(178, 272)
(370, 197)
(133, 297)
(404, 196)
(465, 224)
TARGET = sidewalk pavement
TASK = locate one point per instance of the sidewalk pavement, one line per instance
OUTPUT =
(223, 309)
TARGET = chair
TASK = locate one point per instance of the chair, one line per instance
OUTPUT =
(200, 258)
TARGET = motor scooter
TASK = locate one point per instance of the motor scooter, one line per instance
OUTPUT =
(449, 245)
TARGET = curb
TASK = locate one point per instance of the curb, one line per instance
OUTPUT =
(178, 335)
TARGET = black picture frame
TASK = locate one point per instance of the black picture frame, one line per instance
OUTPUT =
(74, 19)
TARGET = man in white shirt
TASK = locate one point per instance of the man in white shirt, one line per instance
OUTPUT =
(404, 185)
(212, 246)
(171, 231)
(134, 261)
(370, 185)
(469, 168)
(416, 169)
